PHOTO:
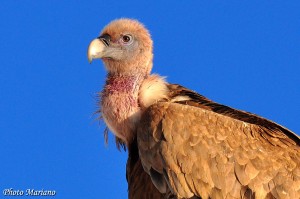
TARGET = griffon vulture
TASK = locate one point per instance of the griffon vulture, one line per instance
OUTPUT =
(181, 144)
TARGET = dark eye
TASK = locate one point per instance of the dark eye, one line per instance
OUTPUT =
(126, 38)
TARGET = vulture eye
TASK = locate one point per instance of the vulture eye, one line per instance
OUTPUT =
(126, 39)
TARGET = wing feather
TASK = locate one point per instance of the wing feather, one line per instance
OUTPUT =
(208, 151)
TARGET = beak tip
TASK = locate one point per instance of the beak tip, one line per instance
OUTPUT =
(95, 50)
(90, 60)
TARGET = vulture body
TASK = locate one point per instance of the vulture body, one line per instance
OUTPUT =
(181, 144)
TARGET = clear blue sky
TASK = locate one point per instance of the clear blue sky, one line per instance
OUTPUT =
(245, 55)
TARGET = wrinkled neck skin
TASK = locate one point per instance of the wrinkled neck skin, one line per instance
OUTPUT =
(119, 103)
(126, 84)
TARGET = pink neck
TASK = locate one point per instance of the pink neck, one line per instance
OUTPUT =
(120, 83)
(119, 104)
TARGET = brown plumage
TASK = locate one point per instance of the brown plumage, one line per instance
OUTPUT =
(181, 144)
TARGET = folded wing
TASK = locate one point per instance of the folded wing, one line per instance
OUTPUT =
(196, 147)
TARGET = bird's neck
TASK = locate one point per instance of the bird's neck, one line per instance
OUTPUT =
(120, 106)
(137, 66)
(123, 83)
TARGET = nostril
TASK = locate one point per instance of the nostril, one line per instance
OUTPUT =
(105, 38)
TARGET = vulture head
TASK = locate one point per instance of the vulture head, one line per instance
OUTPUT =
(125, 46)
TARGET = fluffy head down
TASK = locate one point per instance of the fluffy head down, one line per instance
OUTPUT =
(125, 46)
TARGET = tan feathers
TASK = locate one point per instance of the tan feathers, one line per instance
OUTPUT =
(243, 169)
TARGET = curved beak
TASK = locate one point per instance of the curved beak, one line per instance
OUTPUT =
(96, 49)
